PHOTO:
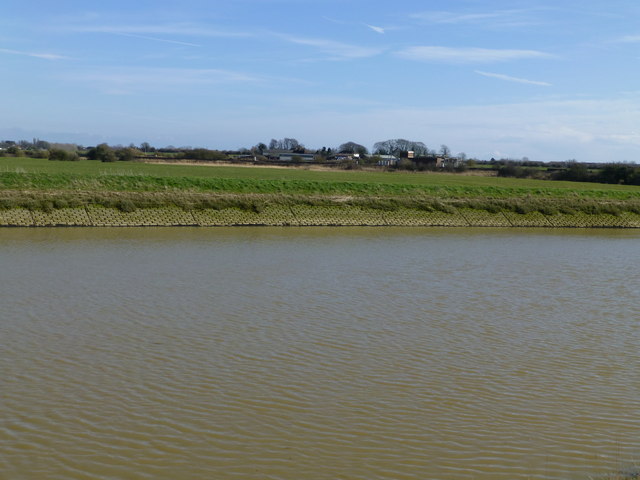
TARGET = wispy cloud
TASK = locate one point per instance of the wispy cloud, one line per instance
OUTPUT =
(509, 78)
(468, 55)
(629, 39)
(500, 18)
(133, 80)
(337, 50)
(155, 39)
(45, 56)
(336, 21)
(323, 102)
(376, 29)
(182, 29)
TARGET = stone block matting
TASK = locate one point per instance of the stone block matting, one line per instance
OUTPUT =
(585, 220)
(531, 219)
(482, 218)
(67, 217)
(276, 215)
(166, 216)
(411, 217)
(16, 217)
(564, 220)
(606, 220)
(307, 215)
(631, 219)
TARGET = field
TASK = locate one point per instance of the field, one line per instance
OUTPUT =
(197, 176)
(306, 197)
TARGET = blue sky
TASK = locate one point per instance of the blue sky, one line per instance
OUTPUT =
(549, 80)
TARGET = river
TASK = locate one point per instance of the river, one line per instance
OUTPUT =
(318, 353)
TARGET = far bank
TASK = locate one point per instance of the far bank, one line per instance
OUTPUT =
(37, 192)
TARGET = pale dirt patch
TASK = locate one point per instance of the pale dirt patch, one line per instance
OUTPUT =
(479, 173)
(318, 168)
(242, 165)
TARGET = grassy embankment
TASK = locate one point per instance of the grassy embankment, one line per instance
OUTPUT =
(239, 195)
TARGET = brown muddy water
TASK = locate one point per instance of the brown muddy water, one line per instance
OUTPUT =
(322, 353)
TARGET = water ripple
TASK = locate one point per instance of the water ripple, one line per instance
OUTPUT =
(326, 354)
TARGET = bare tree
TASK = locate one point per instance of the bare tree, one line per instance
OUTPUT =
(290, 144)
(352, 147)
(398, 146)
(259, 148)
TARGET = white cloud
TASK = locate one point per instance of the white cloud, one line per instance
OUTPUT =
(122, 81)
(183, 29)
(337, 50)
(450, 17)
(164, 40)
(630, 39)
(375, 29)
(497, 19)
(467, 55)
(319, 101)
(508, 78)
(45, 56)
(380, 30)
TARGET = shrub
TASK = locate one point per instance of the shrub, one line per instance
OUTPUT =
(102, 152)
(204, 154)
(126, 206)
(60, 203)
(57, 154)
(40, 154)
(16, 151)
(46, 206)
(125, 154)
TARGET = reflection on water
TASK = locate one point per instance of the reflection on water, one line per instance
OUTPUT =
(357, 353)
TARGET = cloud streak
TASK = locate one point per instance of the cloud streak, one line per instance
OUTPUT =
(183, 29)
(376, 29)
(163, 40)
(497, 19)
(468, 55)
(508, 78)
(124, 81)
(44, 56)
(629, 39)
(337, 50)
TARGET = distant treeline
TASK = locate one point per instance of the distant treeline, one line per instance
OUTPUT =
(393, 154)
(613, 173)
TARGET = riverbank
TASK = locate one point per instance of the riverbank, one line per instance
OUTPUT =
(305, 215)
(36, 192)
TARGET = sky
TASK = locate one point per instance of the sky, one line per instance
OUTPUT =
(550, 80)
